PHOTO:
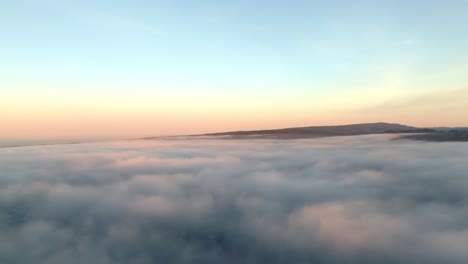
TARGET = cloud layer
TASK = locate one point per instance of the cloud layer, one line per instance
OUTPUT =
(338, 200)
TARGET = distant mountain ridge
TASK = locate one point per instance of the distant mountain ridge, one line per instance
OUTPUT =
(324, 131)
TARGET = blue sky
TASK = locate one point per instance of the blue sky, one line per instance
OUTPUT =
(241, 49)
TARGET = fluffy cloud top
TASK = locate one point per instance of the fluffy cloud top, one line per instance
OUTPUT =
(338, 200)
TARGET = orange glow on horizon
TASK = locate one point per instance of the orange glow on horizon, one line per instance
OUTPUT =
(117, 117)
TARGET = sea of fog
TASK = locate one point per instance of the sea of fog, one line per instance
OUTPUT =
(364, 199)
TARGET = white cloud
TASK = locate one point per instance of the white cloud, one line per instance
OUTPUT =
(354, 199)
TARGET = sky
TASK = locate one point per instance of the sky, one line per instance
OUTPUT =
(84, 69)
